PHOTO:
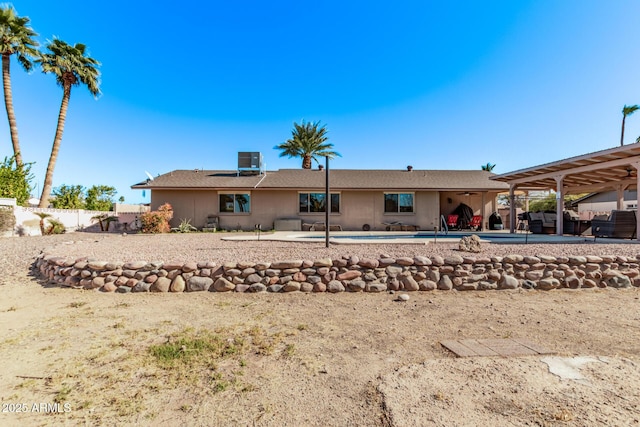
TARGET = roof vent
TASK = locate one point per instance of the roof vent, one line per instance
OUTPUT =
(409, 168)
(249, 163)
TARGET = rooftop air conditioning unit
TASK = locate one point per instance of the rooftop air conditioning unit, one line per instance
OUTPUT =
(249, 163)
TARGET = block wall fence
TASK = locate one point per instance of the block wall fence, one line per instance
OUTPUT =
(347, 274)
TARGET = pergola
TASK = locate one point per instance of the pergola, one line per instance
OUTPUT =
(611, 169)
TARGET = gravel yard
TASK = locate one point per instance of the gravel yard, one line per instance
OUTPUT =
(307, 359)
(211, 247)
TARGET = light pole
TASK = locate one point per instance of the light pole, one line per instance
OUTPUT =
(327, 198)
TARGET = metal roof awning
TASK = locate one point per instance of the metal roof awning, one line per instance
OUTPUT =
(600, 170)
(615, 168)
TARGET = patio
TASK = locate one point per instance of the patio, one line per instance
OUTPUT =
(421, 238)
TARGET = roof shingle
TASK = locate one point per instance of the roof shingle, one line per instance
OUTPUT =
(340, 179)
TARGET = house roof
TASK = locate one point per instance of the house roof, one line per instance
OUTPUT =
(588, 172)
(340, 179)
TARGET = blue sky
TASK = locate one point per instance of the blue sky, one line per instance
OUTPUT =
(432, 84)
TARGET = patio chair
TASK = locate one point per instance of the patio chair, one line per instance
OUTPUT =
(452, 221)
(400, 226)
(476, 222)
(571, 223)
(542, 222)
(620, 224)
(321, 226)
(212, 224)
(393, 226)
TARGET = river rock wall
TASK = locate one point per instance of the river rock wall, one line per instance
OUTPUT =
(350, 274)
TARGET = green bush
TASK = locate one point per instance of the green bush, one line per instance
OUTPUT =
(157, 221)
(15, 181)
(68, 197)
(100, 198)
(184, 227)
(55, 226)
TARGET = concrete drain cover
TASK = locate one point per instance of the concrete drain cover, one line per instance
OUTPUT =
(494, 347)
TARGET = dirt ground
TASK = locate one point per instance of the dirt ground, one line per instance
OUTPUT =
(73, 357)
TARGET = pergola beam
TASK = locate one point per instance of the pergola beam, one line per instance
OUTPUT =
(591, 172)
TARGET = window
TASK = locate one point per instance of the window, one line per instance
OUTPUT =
(235, 203)
(315, 202)
(398, 202)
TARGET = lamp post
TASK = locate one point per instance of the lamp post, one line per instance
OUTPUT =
(327, 199)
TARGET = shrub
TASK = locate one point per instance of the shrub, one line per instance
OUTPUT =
(184, 227)
(157, 221)
(55, 226)
(15, 181)
(68, 197)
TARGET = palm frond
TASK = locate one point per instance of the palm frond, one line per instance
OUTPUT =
(308, 141)
(629, 110)
(70, 65)
(17, 37)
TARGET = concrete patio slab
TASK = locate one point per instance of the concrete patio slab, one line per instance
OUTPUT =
(494, 347)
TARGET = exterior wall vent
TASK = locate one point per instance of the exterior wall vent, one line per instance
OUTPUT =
(249, 163)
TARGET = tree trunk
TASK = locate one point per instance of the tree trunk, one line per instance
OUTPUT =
(624, 116)
(306, 162)
(48, 179)
(8, 103)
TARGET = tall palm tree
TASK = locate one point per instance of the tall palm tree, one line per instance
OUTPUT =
(71, 67)
(308, 141)
(16, 37)
(626, 111)
(488, 167)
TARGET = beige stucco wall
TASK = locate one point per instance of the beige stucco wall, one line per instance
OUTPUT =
(357, 208)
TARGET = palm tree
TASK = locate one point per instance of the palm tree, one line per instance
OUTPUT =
(626, 111)
(42, 216)
(308, 141)
(488, 167)
(71, 67)
(16, 37)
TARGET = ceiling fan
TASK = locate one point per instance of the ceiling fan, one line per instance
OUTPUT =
(467, 193)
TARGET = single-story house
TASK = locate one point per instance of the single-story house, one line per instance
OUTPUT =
(360, 199)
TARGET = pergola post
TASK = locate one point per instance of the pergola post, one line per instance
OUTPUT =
(636, 166)
(482, 211)
(512, 208)
(620, 196)
(559, 204)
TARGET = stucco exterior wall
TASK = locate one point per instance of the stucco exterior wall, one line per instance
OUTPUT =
(195, 205)
(356, 209)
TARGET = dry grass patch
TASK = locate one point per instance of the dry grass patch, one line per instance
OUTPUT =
(76, 304)
(118, 378)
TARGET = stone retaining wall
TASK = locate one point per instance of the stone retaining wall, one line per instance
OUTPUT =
(349, 274)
